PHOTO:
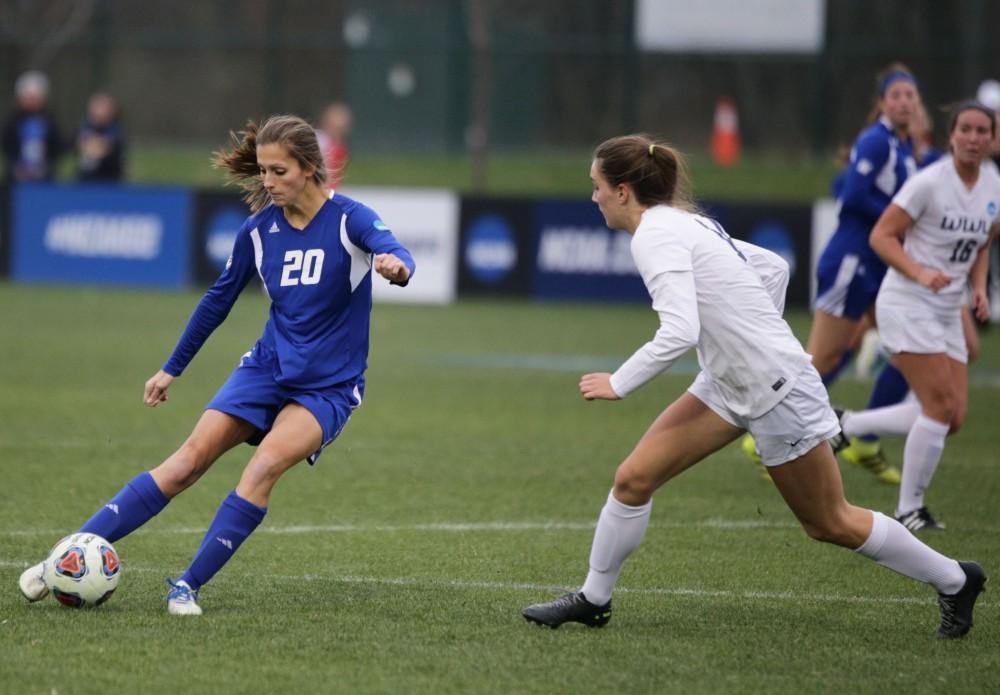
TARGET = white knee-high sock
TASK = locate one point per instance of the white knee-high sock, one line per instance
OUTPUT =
(892, 546)
(620, 529)
(893, 419)
(921, 456)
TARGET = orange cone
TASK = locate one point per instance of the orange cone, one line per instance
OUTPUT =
(726, 133)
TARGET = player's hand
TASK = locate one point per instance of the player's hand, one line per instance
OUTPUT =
(980, 305)
(933, 279)
(598, 386)
(391, 268)
(156, 389)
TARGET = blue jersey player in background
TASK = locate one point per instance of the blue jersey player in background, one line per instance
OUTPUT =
(849, 272)
(294, 391)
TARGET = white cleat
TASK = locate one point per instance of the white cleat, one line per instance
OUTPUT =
(32, 583)
(182, 599)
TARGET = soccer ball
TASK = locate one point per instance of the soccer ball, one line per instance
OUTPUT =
(82, 570)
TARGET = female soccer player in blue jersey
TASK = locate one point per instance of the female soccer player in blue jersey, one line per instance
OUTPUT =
(294, 391)
(849, 273)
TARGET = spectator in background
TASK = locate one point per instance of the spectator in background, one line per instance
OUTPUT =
(333, 132)
(100, 142)
(31, 140)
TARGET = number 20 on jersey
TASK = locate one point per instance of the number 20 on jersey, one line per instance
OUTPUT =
(302, 267)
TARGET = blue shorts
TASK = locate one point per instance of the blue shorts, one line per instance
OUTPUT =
(848, 276)
(252, 394)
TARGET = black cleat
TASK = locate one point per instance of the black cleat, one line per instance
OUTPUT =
(572, 607)
(920, 520)
(956, 610)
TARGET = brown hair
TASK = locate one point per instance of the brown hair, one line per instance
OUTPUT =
(891, 69)
(655, 171)
(961, 107)
(292, 132)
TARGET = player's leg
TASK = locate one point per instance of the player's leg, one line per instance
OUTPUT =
(865, 449)
(940, 383)
(295, 434)
(812, 487)
(830, 340)
(148, 493)
(684, 434)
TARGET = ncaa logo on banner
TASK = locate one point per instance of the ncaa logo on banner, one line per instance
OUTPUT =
(490, 249)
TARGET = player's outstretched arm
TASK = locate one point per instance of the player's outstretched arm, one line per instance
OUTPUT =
(391, 268)
(156, 389)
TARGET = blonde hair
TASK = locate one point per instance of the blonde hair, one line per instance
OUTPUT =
(655, 171)
(240, 162)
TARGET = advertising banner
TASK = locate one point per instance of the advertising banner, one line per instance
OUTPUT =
(4, 231)
(218, 216)
(578, 257)
(101, 235)
(426, 222)
(824, 224)
(497, 246)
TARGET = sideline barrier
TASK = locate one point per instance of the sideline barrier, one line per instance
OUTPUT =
(171, 238)
(552, 249)
(496, 254)
(4, 231)
(426, 222)
(101, 235)
(563, 250)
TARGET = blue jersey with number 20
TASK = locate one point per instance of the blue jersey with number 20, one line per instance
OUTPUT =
(319, 281)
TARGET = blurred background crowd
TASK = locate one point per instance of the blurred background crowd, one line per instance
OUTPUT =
(472, 76)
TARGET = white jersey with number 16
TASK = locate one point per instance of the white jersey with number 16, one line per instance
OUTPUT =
(951, 224)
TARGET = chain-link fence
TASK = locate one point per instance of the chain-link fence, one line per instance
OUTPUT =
(446, 75)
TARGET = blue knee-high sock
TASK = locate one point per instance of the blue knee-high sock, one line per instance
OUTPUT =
(235, 520)
(135, 504)
(845, 360)
(890, 388)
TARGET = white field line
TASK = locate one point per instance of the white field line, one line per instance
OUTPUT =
(465, 527)
(528, 586)
(445, 527)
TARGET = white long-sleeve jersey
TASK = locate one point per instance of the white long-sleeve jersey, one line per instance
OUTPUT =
(721, 296)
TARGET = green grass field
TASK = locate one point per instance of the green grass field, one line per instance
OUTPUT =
(561, 174)
(465, 488)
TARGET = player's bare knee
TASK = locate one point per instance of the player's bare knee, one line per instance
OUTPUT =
(183, 469)
(632, 488)
(837, 528)
(263, 470)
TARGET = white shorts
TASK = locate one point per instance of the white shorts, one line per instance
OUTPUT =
(794, 427)
(906, 324)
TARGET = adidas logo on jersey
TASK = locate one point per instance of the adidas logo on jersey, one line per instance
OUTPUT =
(112, 507)
(274, 228)
(225, 541)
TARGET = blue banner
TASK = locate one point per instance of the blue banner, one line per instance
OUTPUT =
(578, 257)
(102, 235)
